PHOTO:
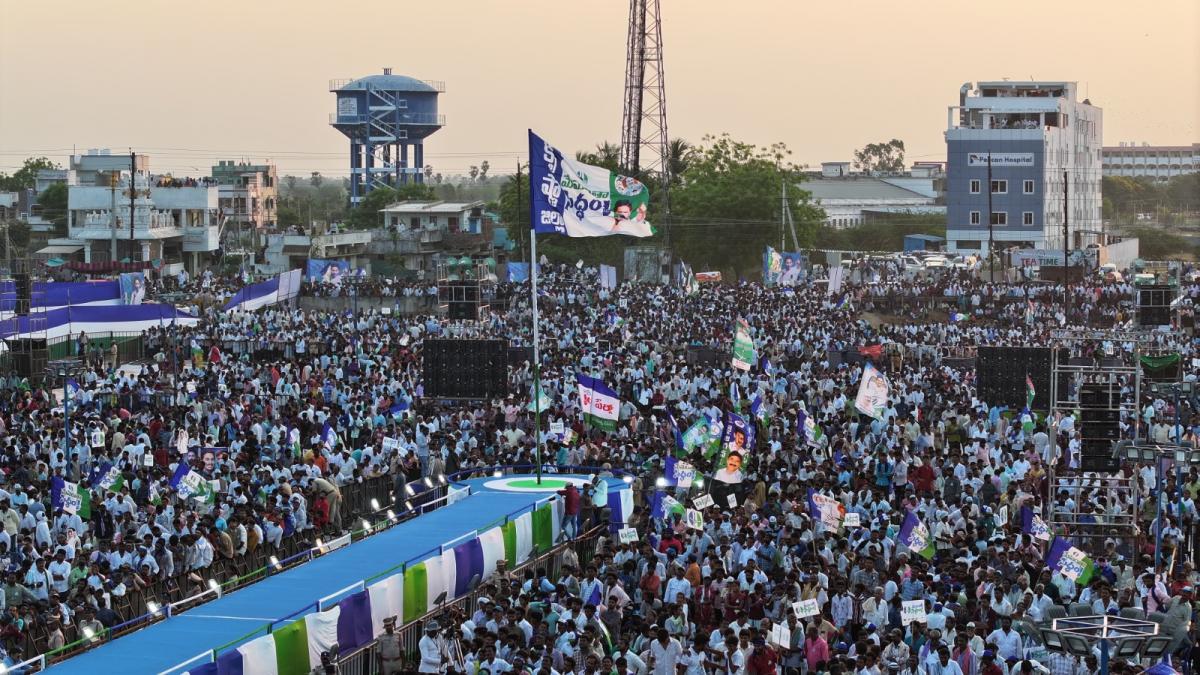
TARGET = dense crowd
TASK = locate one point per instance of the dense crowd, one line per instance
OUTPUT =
(280, 409)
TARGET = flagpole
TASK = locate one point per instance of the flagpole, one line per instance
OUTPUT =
(537, 355)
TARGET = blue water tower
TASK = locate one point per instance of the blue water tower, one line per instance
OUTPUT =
(383, 115)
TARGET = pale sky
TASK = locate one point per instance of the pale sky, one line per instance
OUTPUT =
(193, 82)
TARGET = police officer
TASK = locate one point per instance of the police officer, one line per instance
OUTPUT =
(389, 648)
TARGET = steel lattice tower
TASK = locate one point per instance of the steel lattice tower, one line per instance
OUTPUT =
(644, 144)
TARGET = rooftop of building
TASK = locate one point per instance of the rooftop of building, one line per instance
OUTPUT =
(863, 187)
(1146, 147)
(431, 207)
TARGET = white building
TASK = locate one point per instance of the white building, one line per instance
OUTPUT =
(1032, 134)
(1160, 162)
(465, 217)
(174, 220)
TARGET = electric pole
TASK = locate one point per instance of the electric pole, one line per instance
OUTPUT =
(1066, 247)
(132, 197)
(991, 225)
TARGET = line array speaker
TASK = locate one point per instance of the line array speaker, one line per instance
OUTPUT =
(465, 369)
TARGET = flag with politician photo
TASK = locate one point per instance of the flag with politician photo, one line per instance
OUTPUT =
(580, 200)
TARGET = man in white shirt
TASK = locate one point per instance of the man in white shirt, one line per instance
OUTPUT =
(59, 571)
(665, 652)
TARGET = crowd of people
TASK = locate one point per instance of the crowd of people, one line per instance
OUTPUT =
(281, 409)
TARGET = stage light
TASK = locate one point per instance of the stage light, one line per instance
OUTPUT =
(661, 482)
(409, 490)
(627, 478)
(391, 515)
(152, 607)
(275, 563)
(428, 483)
(497, 473)
(374, 504)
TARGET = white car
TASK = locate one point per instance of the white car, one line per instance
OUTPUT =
(934, 261)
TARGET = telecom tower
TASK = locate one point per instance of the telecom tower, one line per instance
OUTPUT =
(383, 116)
(645, 150)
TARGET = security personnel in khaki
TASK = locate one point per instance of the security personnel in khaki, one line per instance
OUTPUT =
(390, 660)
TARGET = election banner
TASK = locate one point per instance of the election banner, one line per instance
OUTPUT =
(580, 200)
(601, 405)
(852, 519)
(784, 268)
(912, 611)
(806, 608)
(703, 502)
(627, 535)
(743, 347)
(327, 271)
(915, 536)
(872, 392)
(694, 519)
(133, 288)
(678, 472)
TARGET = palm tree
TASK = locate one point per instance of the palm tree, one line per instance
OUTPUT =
(679, 157)
(607, 155)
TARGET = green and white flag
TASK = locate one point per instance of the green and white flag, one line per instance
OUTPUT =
(541, 402)
(696, 435)
(76, 499)
(601, 405)
(743, 347)
(112, 480)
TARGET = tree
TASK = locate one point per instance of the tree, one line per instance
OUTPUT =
(25, 177)
(473, 172)
(428, 172)
(880, 157)
(53, 201)
(438, 178)
(315, 179)
(483, 170)
(607, 155)
(679, 157)
(290, 181)
(727, 204)
(366, 215)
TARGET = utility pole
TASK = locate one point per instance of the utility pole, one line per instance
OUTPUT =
(113, 179)
(132, 197)
(1066, 248)
(991, 225)
(518, 223)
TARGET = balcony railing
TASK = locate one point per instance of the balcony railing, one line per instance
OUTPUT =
(402, 118)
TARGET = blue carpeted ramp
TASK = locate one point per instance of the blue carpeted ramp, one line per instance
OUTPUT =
(159, 647)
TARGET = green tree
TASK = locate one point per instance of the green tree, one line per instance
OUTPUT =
(727, 206)
(679, 158)
(53, 201)
(880, 157)
(607, 155)
(366, 215)
(25, 177)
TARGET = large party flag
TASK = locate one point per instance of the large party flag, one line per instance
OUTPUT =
(757, 411)
(811, 430)
(915, 536)
(70, 497)
(872, 392)
(539, 402)
(1032, 523)
(1069, 561)
(675, 432)
(743, 346)
(1030, 391)
(109, 478)
(601, 405)
(580, 200)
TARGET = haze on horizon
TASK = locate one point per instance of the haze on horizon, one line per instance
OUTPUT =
(190, 83)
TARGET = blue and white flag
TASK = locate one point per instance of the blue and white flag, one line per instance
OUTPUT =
(675, 430)
(72, 389)
(328, 436)
(182, 469)
(601, 405)
(399, 408)
(756, 408)
(579, 200)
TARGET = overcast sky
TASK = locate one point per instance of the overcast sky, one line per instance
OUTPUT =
(192, 82)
